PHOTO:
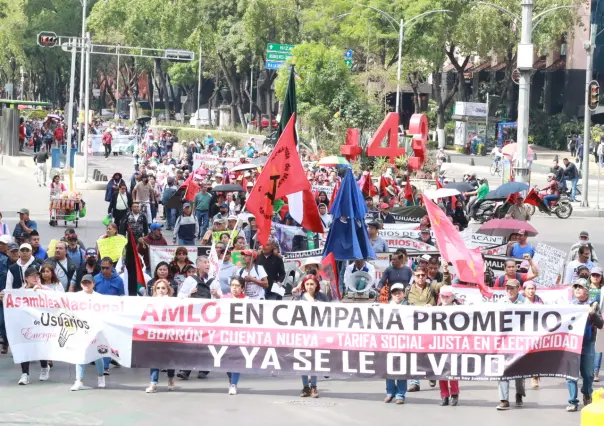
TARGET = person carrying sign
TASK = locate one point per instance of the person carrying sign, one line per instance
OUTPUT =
(511, 272)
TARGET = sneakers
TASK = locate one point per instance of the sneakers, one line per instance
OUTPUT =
(586, 400)
(413, 388)
(444, 401)
(388, 399)
(571, 408)
(305, 392)
(596, 376)
(503, 405)
(24, 380)
(182, 374)
(202, 375)
(399, 401)
(44, 374)
(314, 393)
(106, 372)
(78, 386)
(233, 390)
(454, 400)
(152, 388)
(101, 382)
(171, 385)
(519, 402)
(432, 383)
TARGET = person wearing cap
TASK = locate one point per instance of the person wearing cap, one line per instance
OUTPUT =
(595, 290)
(250, 150)
(396, 388)
(518, 211)
(449, 389)
(223, 212)
(24, 227)
(67, 233)
(594, 323)
(513, 296)
(74, 252)
(16, 272)
(87, 290)
(583, 260)
(201, 207)
(186, 228)
(425, 236)
(231, 222)
(90, 266)
(155, 238)
(30, 281)
(583, 241)
(378, 243)
(37, 250)
(256, 281)
(521, 247)
(385, 215)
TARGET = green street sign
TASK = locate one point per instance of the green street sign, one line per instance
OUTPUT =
(348, 62)
(279, 48)
(278, 56)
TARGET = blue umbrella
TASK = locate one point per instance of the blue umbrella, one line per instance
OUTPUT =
(348, 238)
(506, 189)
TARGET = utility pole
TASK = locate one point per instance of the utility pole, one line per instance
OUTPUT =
(117, 87)
(525, 67)
(86, 105)
(82, 62)
(589, 48)
(249, 124)
(70, 114)
(197, 117)
(22, 83)
(398, 67)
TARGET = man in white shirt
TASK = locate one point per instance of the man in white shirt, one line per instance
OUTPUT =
(360, 265)
(255, 277)
(583, 259)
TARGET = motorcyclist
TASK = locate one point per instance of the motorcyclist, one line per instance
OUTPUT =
(471, 179)
(478, 197)
(553, 190)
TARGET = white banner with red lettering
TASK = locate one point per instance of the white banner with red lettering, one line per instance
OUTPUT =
(480, 342)
(550, 296)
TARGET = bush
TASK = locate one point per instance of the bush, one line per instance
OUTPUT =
(36, 114)
(552, 131)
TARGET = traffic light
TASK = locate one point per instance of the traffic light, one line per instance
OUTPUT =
(47, 39)
(594, 95)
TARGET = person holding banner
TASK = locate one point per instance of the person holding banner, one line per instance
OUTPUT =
(311, 293)
(595, 289)
(530, 293)
(396, 388)
(449, 389)
(161, 288)
(594, 323)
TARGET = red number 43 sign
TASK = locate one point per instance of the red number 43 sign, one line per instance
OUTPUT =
(418, 127)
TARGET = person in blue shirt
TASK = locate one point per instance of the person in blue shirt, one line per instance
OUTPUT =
(521, 247)
(76, 253)
(38, 251)
(250, 150)
(208, 141)
(594, 322)
(24, 227)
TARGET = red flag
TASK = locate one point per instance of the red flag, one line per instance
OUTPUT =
(438, 184)
(336, 188)
(366, 185)
(469, 263)
(409, 192)
(303, 208)
(512, 198)
(190, 187)
(136, 277)
(282, 175)
(329, 271)
(532, 198)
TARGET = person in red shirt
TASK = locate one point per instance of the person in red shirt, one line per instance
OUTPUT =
(59, 134)
(107, 139)
(21, 134)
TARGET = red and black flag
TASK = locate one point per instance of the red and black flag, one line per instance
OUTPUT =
(136, 277)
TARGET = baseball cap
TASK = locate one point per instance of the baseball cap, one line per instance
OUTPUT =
(24, 211)
(91, 252)
(5, 239)
(73, 237)
(219, 220)
(25, 246)
(425, 231)
(596, 270)
(13, 246)
(31, 271)
(189, 267)
(580, 268)
(581, 282)
(247, 253)
(250, 184)
(397, 286)
(87, 277)
(224, 206)
(584, 234)
(426, 257)
(155, 226)
(446, 290)
(384, 206)
(231, 217)
(186, 205)
(522, 232)
(525, 264)
(512, 283)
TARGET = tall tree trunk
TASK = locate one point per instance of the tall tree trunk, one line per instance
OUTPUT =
(413, 79)
(442, 104)
(460, 67)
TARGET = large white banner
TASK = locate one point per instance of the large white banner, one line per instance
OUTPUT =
(166, 254)
(550, 296)
(481, 342)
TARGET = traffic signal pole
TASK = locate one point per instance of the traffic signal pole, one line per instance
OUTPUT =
(588, 45)
(69, 132)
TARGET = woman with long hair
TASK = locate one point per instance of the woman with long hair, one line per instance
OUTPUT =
(56, 186)
(112, 232)
(162, 272)
(322, 198)
(178, 264)
(49, 279)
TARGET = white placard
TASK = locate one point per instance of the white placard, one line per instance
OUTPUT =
(550, 262)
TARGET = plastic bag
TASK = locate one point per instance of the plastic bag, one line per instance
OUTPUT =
(83, 212)
(107, 220)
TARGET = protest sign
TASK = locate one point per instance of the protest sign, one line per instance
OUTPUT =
(237, 258)
(550, 296)
(497, 263)
(200, 158)
(550, 262)
(328, 189)
(217, 236)
(166, 254)
(478, 342)
(112, 247)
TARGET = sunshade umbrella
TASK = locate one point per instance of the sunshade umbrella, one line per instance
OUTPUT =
(510, 149)
(506, 189)
(54, 116)
(241, 167)
(333, 161)
(506, 227)
(228, 188)
(410, 214)
(143, 118)
(259, 161)
(348, 238)
(460, 186)
(441, 193)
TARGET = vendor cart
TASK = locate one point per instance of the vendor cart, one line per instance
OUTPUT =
(65, 209)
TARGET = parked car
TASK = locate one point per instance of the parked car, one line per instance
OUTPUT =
(203, 116)
(264, 123)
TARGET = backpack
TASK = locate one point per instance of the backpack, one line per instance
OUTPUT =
(203, 289)
(499, 281)
(243, 269)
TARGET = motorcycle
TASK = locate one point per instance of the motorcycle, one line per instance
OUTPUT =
(489, 209)
(561, 207)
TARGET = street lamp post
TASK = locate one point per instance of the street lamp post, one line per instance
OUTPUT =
(82, 62)
(117, 87)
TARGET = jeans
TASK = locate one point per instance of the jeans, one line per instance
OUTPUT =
(41, 173)
(597, 362)
(504, 389)
(80, 369)
(444, 388)
(234, 378)
(182, 242)
(549, 198)
(154, 375)
(202, 219)
(313, 381)
(573, 190)
(396, 388)
(25, 366)
(107, 150)
(587, 373)
(171, 218)
(153, 208)
(106, 363)
(146, 210)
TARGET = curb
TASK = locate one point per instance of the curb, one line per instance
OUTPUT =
(587, 212)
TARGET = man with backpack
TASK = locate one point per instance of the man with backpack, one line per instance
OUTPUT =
(256, 280)
(511, 272)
